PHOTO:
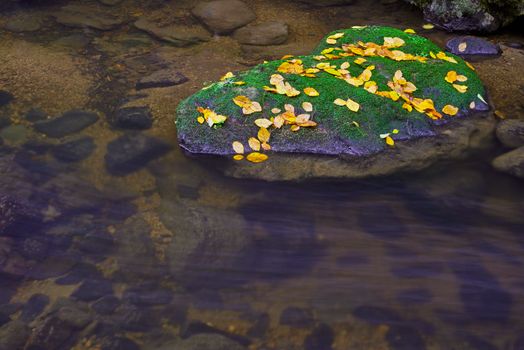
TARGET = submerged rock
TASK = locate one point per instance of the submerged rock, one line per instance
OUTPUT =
(5, 98)
(470, 15)
(267, 33)
(177, 35)
(224, 16)
(511, 162)
(75, 150)
(161, 78)
(341, 112)
(132, 118)
(69, 123)
(472, 45)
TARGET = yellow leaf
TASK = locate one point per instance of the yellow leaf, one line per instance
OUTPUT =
(311, 92)
(395, 131)
(332, 72)
(241, 100)
(238, 157)
(499, 114)
(263, 135)
(256, 157)
(251, 108)
(460, 88)
(394, 95)
(307, 106)
(451, 77)
(409, 31)
(228, 75)
(331, 41)
(266, 146)
(428, 26)
(294, 128)
(395, 42)
(238, 147)
(339, 102)
(390, 141)
(344, 65)
(263, 123)
(462, 78)
(407, 107)
(201, 120)
(254, 144)
(352, 105)
(285, 57)
(336, 35)
(239, 83)
(450, 110)
(278, 121)
(360, 60)
(276, 110)
(469, 65)
(462, 47)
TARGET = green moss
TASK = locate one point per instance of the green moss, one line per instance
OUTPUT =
(353, 131)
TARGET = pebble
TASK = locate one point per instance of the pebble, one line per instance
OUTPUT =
(224, 16)
(176, 35)
(80, 16)
(132, 151)
(69, 123)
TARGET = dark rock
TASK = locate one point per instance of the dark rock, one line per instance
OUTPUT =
(147, 295)
(404, 338)
(415, 296)
(16, 217)
(224, 16)
(327, 2)
(97, 243)
(80, 16)
(139, 118)
(207, 342)
(52, 333)
(13, 335)
(478, 343)
(93, 289)
(510, 132)
(161, 78)
(75, 150)
(75, 316)
(79, 273)
(34, 307)
(472, 45)
(69, 123)
(511, 162)
(321, 338)
(133, 151)
(418, 270)
(376, 315)
(35, 115)
(267, 33)
(260, 327)
(297, 317)
(177, 35)
(53, 266)
(5, 98)
(106, 305)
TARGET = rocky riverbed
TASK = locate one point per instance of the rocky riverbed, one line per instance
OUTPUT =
(112, 235)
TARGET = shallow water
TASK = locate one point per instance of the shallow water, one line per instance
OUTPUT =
(149, 260)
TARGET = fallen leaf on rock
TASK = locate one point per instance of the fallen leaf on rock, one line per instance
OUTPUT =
(276, 110)
(254, 144)
(450, 110)
(428, 26)
(238, 147)
(409, 31)
(226, 76)
(462, 47)
(201, 120)
(238, 157)
(311, 92)
(211, 117)
(263, 123)
(390, 141)
(349, 103)
(460, 88)
(263, 135)
(307, 106)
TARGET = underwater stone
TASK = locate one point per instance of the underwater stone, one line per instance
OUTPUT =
(75, 150)
(223, 16)
(267, 33)
(161, 78)
(35, 115)
(68, 123)
(297, 317)
(138, 118)
(80, 16)
(34, 306)
(322, 337)
(177, 35)
(345, 143)
(92, 289)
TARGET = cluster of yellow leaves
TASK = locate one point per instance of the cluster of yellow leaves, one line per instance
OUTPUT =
(281, 86)
(295, 66)
(442, 56)
(387, 137)
(387, 50)
(210, 117)
(450, 110)
(349, 103)
(332, 39)
(289, 117)
(261, 142)
(248, 106)
(452, 77)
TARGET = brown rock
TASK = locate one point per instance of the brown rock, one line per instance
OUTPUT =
(267, 33)
(224, 16)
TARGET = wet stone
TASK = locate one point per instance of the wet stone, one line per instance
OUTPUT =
(473, 46)
(511, 162)
(69, 123)
(92, 289)
(75, 150)
(35, 248)
(106, 305)
(35, 115)
(510, 132)
(5, 98)
(322, 337)
(161, 78)
(138, 118)
(133, 151)
(53, 266)
(223, 16)
(132, 318)
(176, 35)
(404, 338)
(14, 134)
(477, 343)
(297, 317)
(34, 307)
(5, 121)
(197, 328)
(23, 23)
(267, 33)
(118, 342)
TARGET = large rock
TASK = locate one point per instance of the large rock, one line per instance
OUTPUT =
(81, 16)
(470, 15)
(267, 33)
(376, 134)
(224, 16)
(511, 162)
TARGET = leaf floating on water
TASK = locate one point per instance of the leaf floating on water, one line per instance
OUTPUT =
(263, 135)
(238, 157)
(428, 26)
(254, 144)
(256, 157)
(450, 110)
(263, 123)
(462, 47)
(238, 147)
(307, 106)
(311, 92)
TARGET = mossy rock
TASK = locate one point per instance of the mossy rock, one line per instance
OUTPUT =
(346, 139)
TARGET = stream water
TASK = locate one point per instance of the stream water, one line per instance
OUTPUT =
(103, 247)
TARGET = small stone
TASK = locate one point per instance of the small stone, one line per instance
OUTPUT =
(5, 98)
(92, 289)
(511, 162)
(224, 16)
(74, 151)
(161, 78)
(69, 123)
(267, 33)
(177, 35)
(138, 118)
(133, 151)
(148, 296)
(35, 115)
(510, 132)
(472, 45)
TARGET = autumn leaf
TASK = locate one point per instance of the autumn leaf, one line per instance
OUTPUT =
(256, 157)
(462, 47)
(409, 31)
(254, 144)
(428, 26)
(311, 92)
(263, 135)
(263, 123)
(460, 88)
(390, 141)
(307, 106)
(238, 157)
(238, 147)
(226, 76)
(450, 110)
